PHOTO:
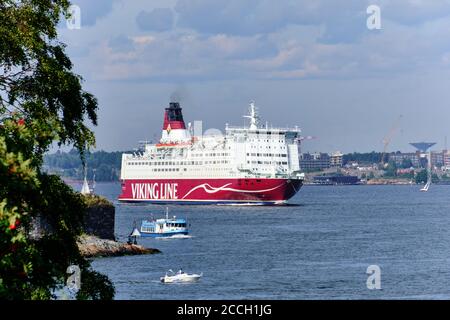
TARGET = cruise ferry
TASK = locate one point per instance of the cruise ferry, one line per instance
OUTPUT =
(248, 165)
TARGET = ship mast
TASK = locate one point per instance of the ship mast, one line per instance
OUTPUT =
(253, 116)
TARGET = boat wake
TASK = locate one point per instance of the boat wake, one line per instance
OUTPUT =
(175, 236)
(244, 204)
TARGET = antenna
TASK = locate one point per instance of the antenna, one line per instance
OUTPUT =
(253, 116)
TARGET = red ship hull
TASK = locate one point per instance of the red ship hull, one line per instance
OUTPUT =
(210, 191)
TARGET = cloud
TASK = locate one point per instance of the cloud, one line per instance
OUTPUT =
(235, 17)
(93, 10)
(260, 39)
(413, 12)
(159, 19)
(121, 43)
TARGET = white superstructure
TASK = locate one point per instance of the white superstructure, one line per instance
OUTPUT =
(243, 152)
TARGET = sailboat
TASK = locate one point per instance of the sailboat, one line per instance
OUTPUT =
(427, 185)
(85, 189)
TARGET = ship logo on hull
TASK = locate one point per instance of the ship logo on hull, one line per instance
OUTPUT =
(207, 188)
(154, 190)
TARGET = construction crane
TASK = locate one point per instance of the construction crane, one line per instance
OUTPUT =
(388, 138)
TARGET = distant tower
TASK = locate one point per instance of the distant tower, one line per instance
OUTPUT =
(422, 150)
(422, 146)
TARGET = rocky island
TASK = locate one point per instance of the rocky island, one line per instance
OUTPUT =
(92, 246)
(98, 239)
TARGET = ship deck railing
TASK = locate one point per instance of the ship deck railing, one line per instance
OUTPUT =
(267, 129)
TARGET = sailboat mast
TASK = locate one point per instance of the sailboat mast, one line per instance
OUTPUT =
(429, 168)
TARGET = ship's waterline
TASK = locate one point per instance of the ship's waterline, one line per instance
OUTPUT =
(256, 191)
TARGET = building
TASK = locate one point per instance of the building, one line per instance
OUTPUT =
(336, 159)
(420, 159)
(446, 157)
(314, 161)
(437, 158)
(398, 158)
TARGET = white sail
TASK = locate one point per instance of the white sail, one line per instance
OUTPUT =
(429, 175)
(85, 189)
(426, 187)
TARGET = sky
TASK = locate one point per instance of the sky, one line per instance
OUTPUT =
(314, 64)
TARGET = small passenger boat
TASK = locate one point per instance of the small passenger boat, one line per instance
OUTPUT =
(164, 227)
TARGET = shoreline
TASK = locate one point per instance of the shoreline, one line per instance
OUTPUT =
(95, 247)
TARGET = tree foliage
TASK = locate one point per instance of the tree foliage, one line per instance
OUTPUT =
(41, 102)
(422, 176)
(391, 170)
(106, 165)
(368, 158)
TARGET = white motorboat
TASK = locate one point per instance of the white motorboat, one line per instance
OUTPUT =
(180, 276)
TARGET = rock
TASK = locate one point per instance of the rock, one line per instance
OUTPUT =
(100, 217)
(91, 246)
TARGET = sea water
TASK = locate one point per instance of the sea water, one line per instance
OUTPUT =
(318, 247)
